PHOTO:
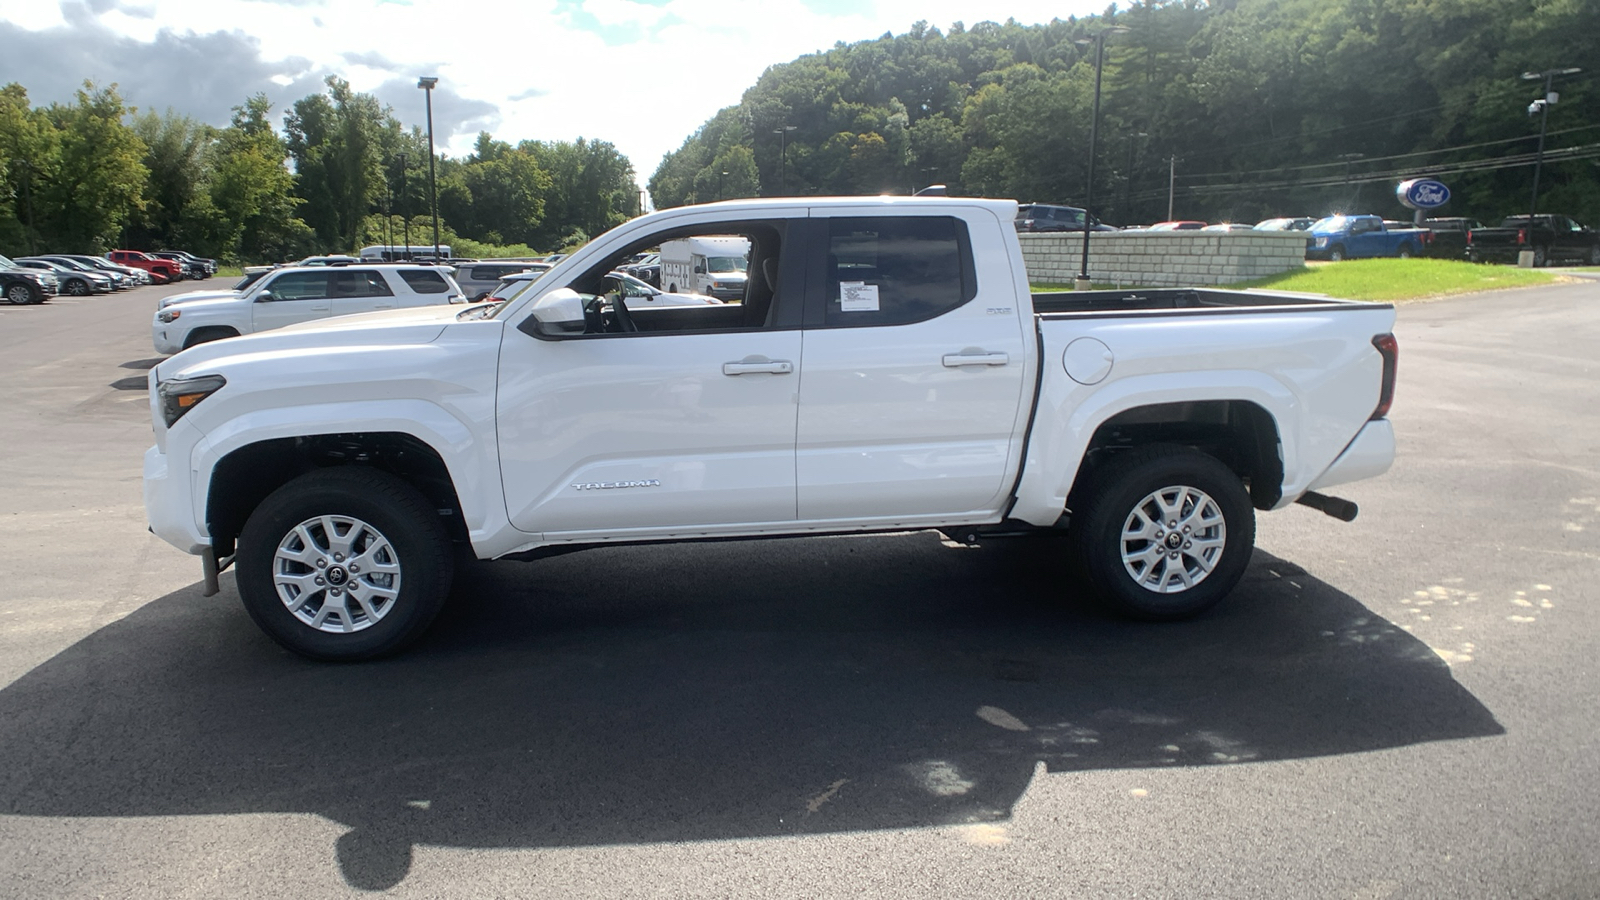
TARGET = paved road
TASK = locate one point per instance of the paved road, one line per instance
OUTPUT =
(1400, 707)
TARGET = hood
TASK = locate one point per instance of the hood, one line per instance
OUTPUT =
(394, 327)
(195, 295)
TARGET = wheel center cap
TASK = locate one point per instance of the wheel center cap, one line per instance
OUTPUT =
(1174, 539)
(337, 575)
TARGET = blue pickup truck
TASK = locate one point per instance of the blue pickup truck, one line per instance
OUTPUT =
(1360, 237)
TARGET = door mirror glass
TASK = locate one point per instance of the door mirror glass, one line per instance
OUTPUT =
(264, 297)
(559, 313)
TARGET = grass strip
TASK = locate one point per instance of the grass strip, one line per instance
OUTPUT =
(1387, 280)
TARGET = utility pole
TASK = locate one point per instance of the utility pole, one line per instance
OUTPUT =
(1542, 107)
(405, 212)
(1172, 180)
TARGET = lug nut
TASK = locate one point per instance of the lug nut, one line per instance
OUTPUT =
(1187, 545)
(354, 567)
(1173, 524)
(320, 580)
(322, 564)
(338, 557)
(336, 592)
(1172, 555)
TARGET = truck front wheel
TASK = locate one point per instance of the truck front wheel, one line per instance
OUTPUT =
(344, 564)
(1336, 254)
(1164, 532)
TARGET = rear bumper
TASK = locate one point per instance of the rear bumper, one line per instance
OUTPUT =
(1369, 455)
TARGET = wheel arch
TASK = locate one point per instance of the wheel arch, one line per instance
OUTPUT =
(245, 476)
(1241, 434)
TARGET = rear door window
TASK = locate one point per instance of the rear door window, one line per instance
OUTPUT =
(895, 271)
(299, 286)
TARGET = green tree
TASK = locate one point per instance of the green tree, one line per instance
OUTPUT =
(336, 140)
(97, 185)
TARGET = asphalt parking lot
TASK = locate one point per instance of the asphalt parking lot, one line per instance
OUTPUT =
(1404, 706)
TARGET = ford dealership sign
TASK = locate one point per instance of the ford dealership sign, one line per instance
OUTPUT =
(1422, 193)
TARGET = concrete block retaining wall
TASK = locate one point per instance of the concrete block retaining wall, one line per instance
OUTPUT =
(1163, 258)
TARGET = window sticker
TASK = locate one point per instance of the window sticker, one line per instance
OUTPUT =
(858, 296)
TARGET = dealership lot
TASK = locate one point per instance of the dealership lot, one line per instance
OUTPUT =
(1398, 707)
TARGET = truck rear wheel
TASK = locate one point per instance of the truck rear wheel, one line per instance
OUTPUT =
(344, 564)
(1336, 254)
(1164, 532)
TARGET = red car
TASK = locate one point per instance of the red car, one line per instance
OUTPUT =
(161, 270)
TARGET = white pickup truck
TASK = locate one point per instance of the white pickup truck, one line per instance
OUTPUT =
(888, 369)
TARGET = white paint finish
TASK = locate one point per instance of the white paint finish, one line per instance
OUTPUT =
(887, 428)
(1314, 371)
(862, 429)
(1368, 456)
(647, 407)
(402, 371)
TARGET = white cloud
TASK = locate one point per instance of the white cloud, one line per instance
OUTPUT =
(640, 75)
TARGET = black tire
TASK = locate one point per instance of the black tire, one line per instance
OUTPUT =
(407, 532)
(1336, 254)
(1594, 255)
(1541, 257)
(1123, 487)
(206, 335)
(77, 287)
(1406, 251)
(19, 293)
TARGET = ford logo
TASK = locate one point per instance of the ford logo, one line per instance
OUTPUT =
(1422, 193)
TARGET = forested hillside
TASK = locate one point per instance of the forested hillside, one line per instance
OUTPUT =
(1260, 108)
(342, 173)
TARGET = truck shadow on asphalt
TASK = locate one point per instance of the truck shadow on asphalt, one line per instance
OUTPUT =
(713, 691)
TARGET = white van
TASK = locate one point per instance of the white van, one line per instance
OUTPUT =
(713, 265)
(401, 253)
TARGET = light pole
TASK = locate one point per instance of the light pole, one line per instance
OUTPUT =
(426, 83)
(1099, 41)
(783, 156)
(1542, 107)
(720, 176)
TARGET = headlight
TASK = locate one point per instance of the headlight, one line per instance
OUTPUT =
(167, 315)
(180, 395)
(1322, 242)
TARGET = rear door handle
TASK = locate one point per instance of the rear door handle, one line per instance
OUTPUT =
(955, 360)
(749, 366)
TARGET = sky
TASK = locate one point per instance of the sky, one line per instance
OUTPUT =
(642, 74)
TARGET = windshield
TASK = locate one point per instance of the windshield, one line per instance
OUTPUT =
(512, 289)
(1330, 223)
(6, 263)
(725, 264)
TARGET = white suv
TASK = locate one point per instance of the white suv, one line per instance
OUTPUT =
(293, 295)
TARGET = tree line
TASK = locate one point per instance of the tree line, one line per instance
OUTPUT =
(1236, 110)
(342, 173)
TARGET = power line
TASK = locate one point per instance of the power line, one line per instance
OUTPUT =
(1375, 159)
(1567, 154)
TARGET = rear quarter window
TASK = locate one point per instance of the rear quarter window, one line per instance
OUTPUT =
(425, 281)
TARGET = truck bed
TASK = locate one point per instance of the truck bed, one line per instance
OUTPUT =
(1054, 303)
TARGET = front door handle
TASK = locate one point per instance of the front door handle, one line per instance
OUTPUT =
(757, 365)
(954, 360)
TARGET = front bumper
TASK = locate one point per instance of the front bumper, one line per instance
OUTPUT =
(167, 504)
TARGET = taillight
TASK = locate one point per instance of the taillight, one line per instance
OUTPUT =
(1389, 349)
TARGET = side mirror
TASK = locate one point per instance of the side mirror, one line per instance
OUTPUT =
(699, 270)
(558, 314)
(264, 297)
